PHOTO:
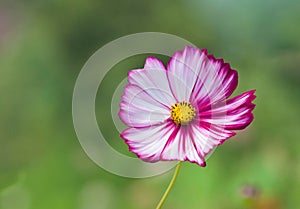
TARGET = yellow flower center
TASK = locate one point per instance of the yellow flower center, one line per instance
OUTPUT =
(182, 113)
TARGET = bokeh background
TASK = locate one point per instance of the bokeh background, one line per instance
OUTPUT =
(44, 44)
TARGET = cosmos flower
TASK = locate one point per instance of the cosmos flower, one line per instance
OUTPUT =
(182, 112)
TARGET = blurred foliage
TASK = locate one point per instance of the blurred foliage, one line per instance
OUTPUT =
(44, 44)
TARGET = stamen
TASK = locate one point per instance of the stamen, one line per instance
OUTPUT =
(182, 113)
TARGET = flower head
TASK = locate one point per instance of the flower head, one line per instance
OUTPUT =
(182, 112)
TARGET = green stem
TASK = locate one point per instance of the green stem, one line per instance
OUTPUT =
(164, 197)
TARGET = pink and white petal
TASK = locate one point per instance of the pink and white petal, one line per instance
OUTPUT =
(180, 146)
(207, 136)
(216, 81)
(148, 142)
(193, 155)
(153, 79)
(139, 109)
(183, 69)
(236, 114)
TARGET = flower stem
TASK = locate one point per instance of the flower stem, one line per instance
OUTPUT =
(164, 197)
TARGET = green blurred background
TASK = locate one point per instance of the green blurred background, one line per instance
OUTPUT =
(44, 44)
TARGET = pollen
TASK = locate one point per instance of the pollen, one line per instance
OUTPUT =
(182, 113)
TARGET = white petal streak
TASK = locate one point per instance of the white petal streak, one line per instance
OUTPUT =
(207, 136)
(215, 82)
(183, 70)
(139, 109)
(153, 79)
(181, 146)
(147, 143)
(236, 114)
